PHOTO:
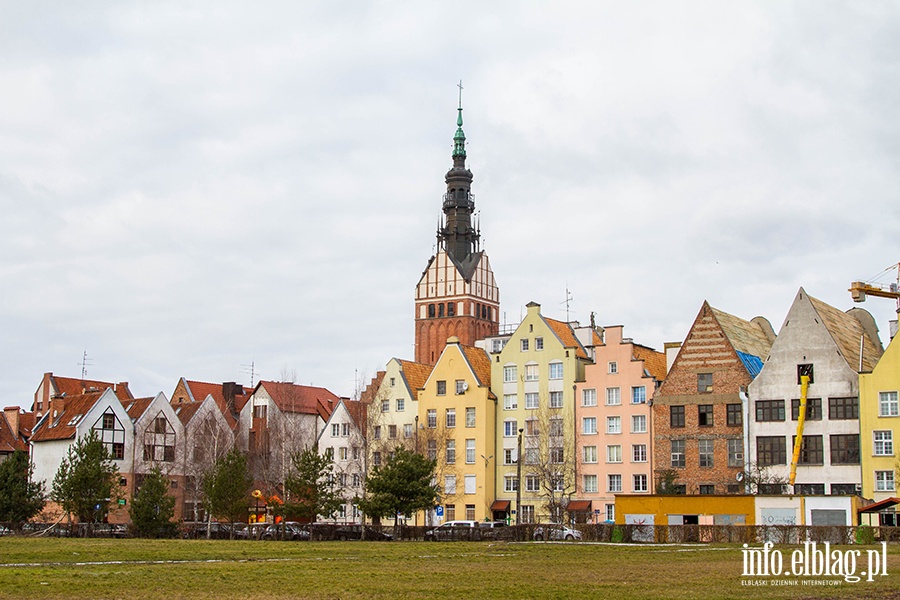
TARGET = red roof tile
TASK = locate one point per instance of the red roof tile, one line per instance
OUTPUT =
(481, 366)
(63, 425)
(305, 399)
(566, 335)
(416, 374)
(654, 362)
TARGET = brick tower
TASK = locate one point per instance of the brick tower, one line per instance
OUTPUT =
(457, 294)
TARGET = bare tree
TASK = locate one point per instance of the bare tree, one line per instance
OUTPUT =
(549, 457)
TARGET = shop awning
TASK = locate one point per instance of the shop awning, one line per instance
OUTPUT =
(880, 506)
(579, 506)
(501, 505)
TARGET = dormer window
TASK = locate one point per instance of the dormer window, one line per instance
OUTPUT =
(74, 420)
(804, 370)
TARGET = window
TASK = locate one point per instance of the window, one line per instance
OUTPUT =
(109, 421)
(497, 345)
(431, 417)
(510, 402)
(329, 453)
(345, 429)
(843, 408)
(813, 409)
(470, 452)
(385, 406)
(769, 410)
(612, 368)
(259, 411)
(771, 450)
(451, 309)
(376, 458)
(532, 427)
(531, 400)
(470, 416)
(735, 452)
(888, 405)
(733, 415)
(450, 512)
(676, 416)
(845, 449)
(450, 455)
(556, 427)
(510, 483)
(614, 454)
(470, 511)
(705, 451)
(432, 449)
(538, 343)
(532, 483)
(677, 454)
(556, 399)
(884, 481)
(441, 388)
(707, 490)
(407, 430)
(638, 423)
(614, 483)
(450, 418)
(532, 456)
(639, 394)
(639, 453)
(589, 425)
(589, 397)
(393, 381)
(335, 429)
(509, 374)
(450, 484)
(610, 512)
(401, 404)
(612, 396)
(342, 453)
(392, 432)
(377, 432)
(531, 372)
(528, 513)
(843, 489)
(509, 428)
(640, 483)
(590, 484)
(613, 425)
(804, 370)
(441, 309)
(556, 370)
(524, 344)
(589, 454)
(705, 415)
(461, 386)
(509, 456)
(884, 443)
(811, 450)
(557, 456)
(704, 382)
(430, 310)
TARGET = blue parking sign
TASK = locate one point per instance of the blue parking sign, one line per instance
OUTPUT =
(439, 511)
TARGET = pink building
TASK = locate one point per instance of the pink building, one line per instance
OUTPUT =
(613, 424)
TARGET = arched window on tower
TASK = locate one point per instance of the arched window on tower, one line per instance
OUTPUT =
(441, 309)
(451, 309)
(431, 310)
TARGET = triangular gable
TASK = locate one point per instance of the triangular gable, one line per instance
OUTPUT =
(847, 332)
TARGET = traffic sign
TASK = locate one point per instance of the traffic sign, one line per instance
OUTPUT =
(439, 511)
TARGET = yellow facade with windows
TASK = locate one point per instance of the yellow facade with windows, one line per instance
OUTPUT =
(879, 422)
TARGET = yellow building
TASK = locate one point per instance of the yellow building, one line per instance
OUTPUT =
(534, 376)
(457, 427)
(879, 422)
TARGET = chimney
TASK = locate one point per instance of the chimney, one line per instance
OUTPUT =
(228, 392)
(12, 417)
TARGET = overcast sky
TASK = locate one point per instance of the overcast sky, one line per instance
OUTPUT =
(189, 188)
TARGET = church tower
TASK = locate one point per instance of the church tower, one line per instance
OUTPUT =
(457, 294)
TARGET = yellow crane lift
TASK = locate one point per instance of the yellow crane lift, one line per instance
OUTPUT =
(801, 420)
(859, 290)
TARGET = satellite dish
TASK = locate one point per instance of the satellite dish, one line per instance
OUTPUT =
(739, 476)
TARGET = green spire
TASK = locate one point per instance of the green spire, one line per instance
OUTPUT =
(459, 140)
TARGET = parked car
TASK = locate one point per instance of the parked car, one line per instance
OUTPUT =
(454, 530)
(493, 529)
(556, 532)
(354, 532)
(217, 531)
(286, 531)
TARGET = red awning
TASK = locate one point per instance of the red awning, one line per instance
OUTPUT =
(579, 506)
(879, 506)
(501, 505)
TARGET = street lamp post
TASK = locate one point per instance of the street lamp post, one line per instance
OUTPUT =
(519, 480)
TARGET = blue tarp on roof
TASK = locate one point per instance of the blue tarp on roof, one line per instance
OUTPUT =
(753, 364)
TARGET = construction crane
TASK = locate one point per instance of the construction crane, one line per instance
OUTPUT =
(859, 290)
(801, 420)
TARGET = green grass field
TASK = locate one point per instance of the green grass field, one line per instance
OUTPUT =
(135, 569)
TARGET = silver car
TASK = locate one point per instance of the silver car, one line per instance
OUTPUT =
(556, 532)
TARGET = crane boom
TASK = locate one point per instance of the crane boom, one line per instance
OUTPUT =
(801, 420)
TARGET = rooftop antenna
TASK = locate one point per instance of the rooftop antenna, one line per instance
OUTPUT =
(567, 302)
(84, 364)
(251, 368)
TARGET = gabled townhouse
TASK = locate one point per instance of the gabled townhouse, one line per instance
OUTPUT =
(393, 414)
(458, 411)
(616, 394)
(343, 440)
(831, 347)
(278, 420)
(879, 422)
(699, 411)
(229, 396)
(71, 417)
(15, 428)
(206, 438)
(53, 386)
(534, 374)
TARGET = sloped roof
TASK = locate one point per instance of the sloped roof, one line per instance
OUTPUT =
(185, 411)
(846, 331)
(480, 362)
(654, 362)
(744, 336)
(368, 395)
(566, 335)
(304, 399)
(61, 426)
(10, 440)
(416, 374)
(357, 410)
(135, 408)
(71, 386)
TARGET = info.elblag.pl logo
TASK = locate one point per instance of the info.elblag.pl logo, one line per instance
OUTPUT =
(814, 560)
